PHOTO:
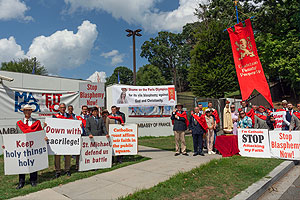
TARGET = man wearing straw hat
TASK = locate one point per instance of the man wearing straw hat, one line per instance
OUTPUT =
(28, 125)
(180, 122)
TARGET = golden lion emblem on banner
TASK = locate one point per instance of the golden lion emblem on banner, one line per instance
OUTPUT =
(245, 46)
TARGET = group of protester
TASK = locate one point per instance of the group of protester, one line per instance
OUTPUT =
(203, 123)
(94, 123)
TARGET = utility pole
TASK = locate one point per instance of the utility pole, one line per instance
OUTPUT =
(133, 34)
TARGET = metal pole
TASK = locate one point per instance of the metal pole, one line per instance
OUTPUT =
(236, 11)
(134, 59)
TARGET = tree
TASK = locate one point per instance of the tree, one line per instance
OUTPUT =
(150, 75)
(212, 71)
(125, 74)
(169, 52)
(24, 65)
(278, 41)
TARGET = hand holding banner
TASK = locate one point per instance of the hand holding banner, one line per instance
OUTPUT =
(285, 144)
(254, 143)
(64, 136)
(25, 153)
(125, 139)
(96, 153)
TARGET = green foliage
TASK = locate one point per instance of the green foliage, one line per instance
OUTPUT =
(24, 65)
(150, 75)
(276, 28)
(169, 52)
(212, 71)
(126, 76)
(278, 41)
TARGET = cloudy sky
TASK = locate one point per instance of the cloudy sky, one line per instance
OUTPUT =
(74, 38)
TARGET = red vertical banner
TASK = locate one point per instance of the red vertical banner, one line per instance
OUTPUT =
(247, 64)
(171, 92)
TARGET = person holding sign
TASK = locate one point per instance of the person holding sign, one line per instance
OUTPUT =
(260, 119)
(295, 121)
(62, 115)
(114, 118)
(27, 125)
(180, 122)
(245, 121)
(95, 125)
(198, 127)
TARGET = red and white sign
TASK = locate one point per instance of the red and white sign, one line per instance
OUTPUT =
(125, 95)
(285, 144)
(125, 139)
(64, 136)
(254, 143)
(278, 116)
(248, 67)
(96, 153)
(91, 94)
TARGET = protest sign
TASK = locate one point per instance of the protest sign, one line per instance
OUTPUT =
(278, 116)
(91, 94)
(25, 153)
(64, 136)
(285, 144)
(125, 139)
(125, 95)
(96, 153)
(254, 143)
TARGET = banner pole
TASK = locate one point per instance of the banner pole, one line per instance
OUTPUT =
(236, 11)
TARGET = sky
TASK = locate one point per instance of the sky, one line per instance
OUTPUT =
(75, 38)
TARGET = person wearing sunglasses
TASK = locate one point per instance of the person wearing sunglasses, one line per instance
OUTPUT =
(245, 121)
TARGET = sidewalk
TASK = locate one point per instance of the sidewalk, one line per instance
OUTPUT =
(126, 180)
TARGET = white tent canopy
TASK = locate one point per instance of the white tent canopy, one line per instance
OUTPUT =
(98, 77)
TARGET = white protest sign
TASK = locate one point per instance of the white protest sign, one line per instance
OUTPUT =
(64, 136)
(125, 139)
(96, 153)
(278, 116)
(91, 94)
(285, 144)
(254, 143)
(25, 153)
(125, 95)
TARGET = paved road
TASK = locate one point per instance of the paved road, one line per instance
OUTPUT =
(287, 188)
(126, 180)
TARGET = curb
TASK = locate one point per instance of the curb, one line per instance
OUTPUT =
(257, 189)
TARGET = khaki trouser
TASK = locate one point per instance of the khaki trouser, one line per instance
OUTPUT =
(210, 139)
(179, 137)
(57, 163)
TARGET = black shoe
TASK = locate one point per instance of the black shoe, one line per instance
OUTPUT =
(177, 154)
(33, 183)
(185, 154)
(201, 154)
(20, 186)
(68, 173)
(57, 175)
(195, 154)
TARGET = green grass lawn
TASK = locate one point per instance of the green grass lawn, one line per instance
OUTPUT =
(165, 142)
(218, 179)
(46, 177)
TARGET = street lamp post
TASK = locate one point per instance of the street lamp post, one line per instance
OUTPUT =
(133, 34)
